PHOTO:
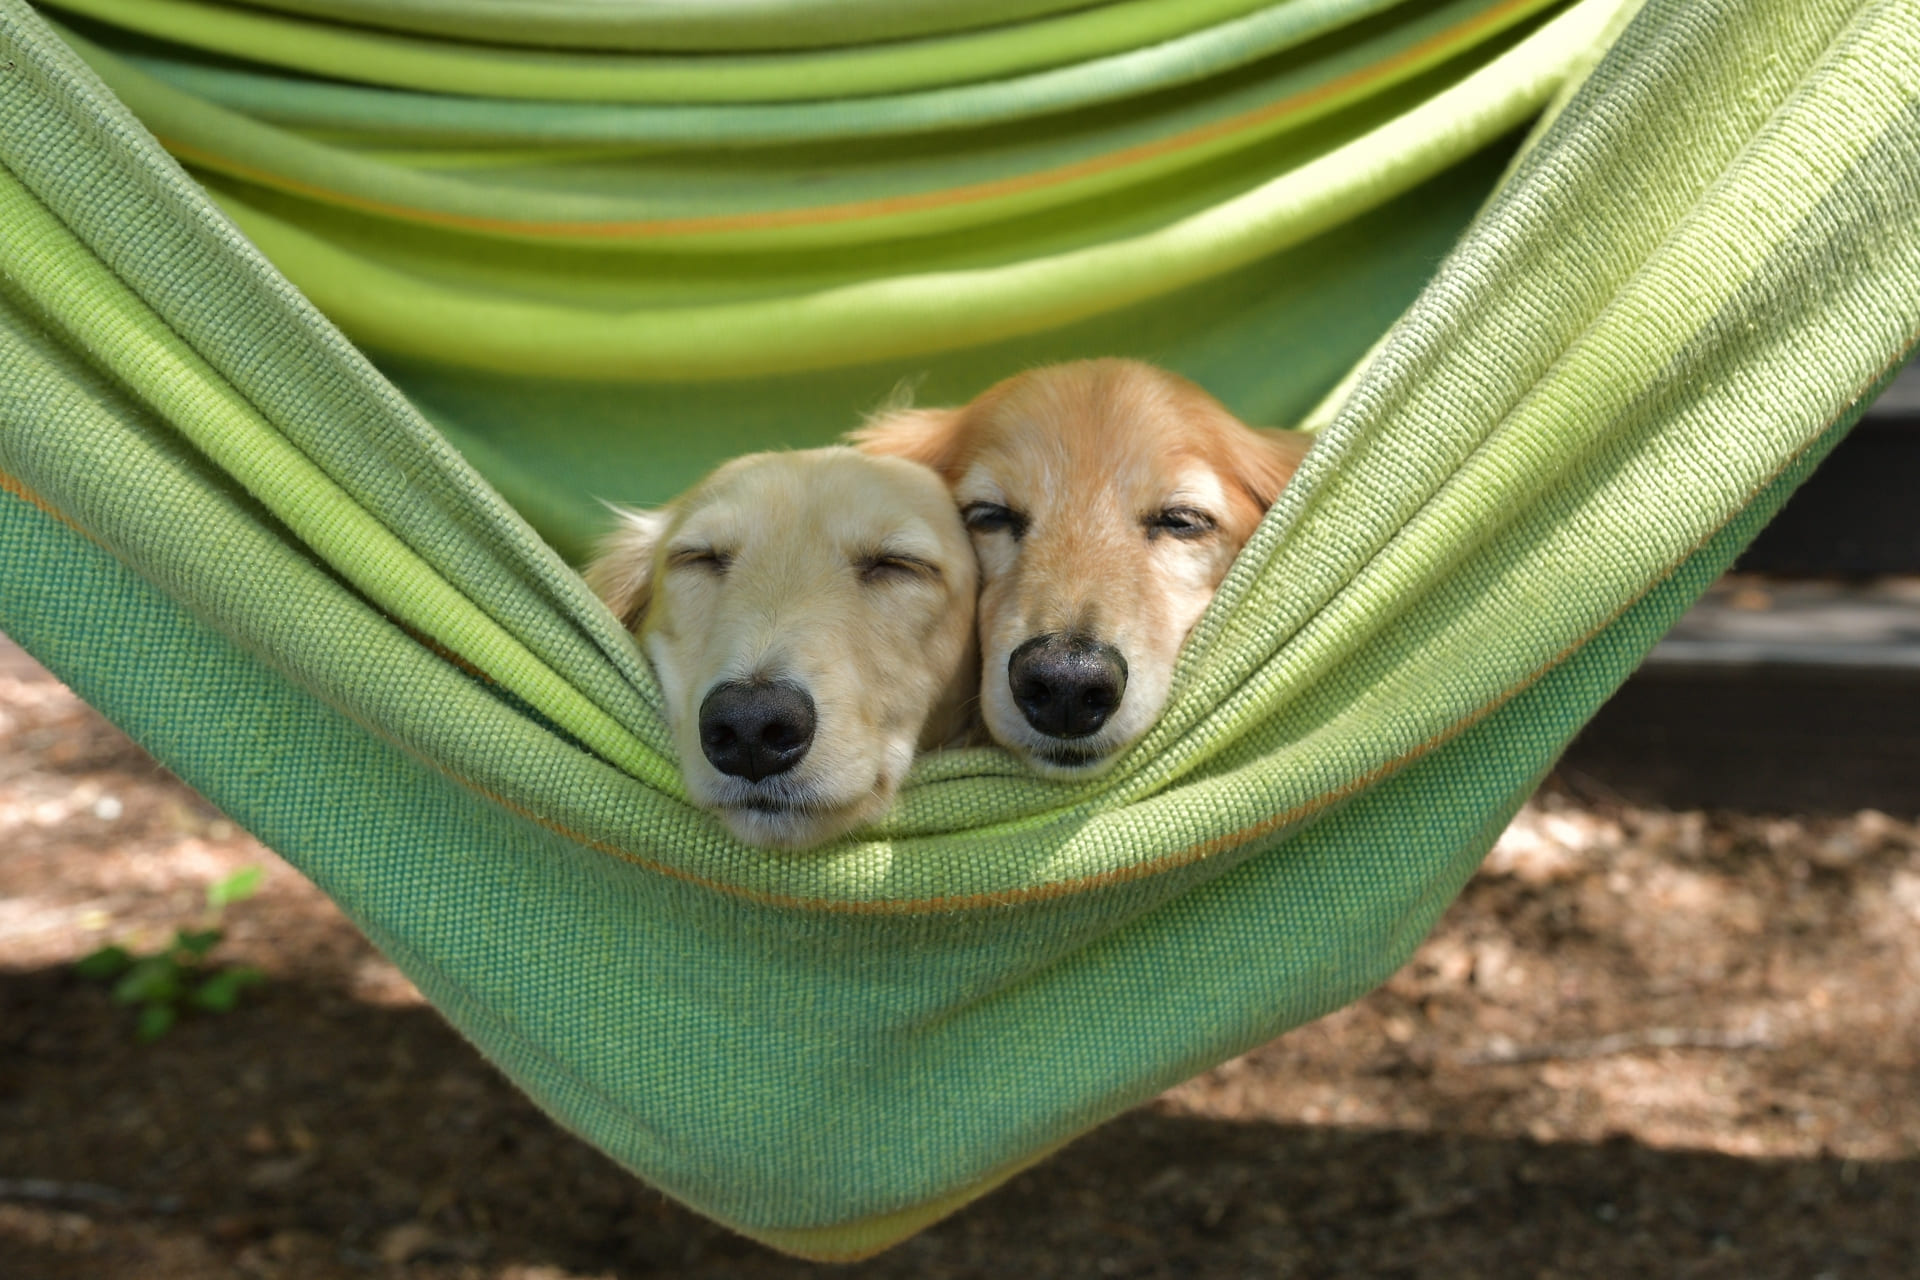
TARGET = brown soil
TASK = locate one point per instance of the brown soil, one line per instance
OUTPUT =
(1642, 1043)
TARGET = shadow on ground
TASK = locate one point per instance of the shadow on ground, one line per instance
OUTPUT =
(315, 1135)
(1642, 1042)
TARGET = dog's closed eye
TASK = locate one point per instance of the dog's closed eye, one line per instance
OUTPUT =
(1106, 500)
(991, 517)
(809, 617)
(881, 567)
(1179, 522)
(700, 556)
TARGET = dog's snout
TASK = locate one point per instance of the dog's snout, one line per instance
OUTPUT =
(1066, 685)
(754, 729)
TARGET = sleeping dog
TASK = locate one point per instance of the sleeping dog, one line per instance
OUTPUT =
(810, 617)
(1106, 500)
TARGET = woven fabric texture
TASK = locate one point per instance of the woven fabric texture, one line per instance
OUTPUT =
(237, 533)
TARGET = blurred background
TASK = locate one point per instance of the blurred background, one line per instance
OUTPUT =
(1672, 1027)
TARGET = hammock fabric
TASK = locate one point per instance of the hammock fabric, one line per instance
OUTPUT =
(589, 272)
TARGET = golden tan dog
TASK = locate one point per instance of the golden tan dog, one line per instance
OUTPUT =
(1106, 499)
(810, 617)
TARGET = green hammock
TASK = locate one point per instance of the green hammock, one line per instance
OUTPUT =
(589, 249)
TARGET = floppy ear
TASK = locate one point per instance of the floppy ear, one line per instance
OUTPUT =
(1265, 458)
(930, 437)
(621, 572)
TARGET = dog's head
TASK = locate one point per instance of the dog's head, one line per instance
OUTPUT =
(1106, 500)
(810, 617)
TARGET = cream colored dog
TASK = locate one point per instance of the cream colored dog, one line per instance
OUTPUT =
(810, 617)
(1106, 499)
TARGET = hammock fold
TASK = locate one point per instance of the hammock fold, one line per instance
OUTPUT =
(675, 24)
(276, 551)
(383, 114)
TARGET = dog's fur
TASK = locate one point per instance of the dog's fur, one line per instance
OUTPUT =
(1107, 499)
(847, 576)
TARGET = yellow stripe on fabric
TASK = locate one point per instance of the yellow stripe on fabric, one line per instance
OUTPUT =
(411, 62)
(12, 485)
(1294, 635)
(1768, 192)
(918, 314)
(695, 25)
(74, 290)
(1043, 188)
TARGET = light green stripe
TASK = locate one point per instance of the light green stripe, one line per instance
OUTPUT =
(1714, 253)
(1638, 193)
(384, 113)
(447, 67)
(915, 315)
(774, 202)
(134, 208)
(678, 24)
(72, 289)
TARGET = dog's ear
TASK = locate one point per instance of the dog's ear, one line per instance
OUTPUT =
(1265, 458)
(930, 437)
(621, 572)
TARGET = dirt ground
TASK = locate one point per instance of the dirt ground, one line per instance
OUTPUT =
(1642, 1043)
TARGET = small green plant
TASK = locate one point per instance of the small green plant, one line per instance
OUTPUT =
(178, 976)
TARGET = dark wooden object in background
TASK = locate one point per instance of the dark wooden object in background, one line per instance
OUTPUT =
(1798, 690)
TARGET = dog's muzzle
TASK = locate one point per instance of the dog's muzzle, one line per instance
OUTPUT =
(754, 729)
(1066, 685)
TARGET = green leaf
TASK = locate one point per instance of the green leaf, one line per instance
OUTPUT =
(197, 941)
(151, 980)
(242, 884)
(219, 993)
(155, 1019)
(107, 962)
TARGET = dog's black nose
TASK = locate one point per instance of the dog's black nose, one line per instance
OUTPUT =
(754, 729)
(1065, 685)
